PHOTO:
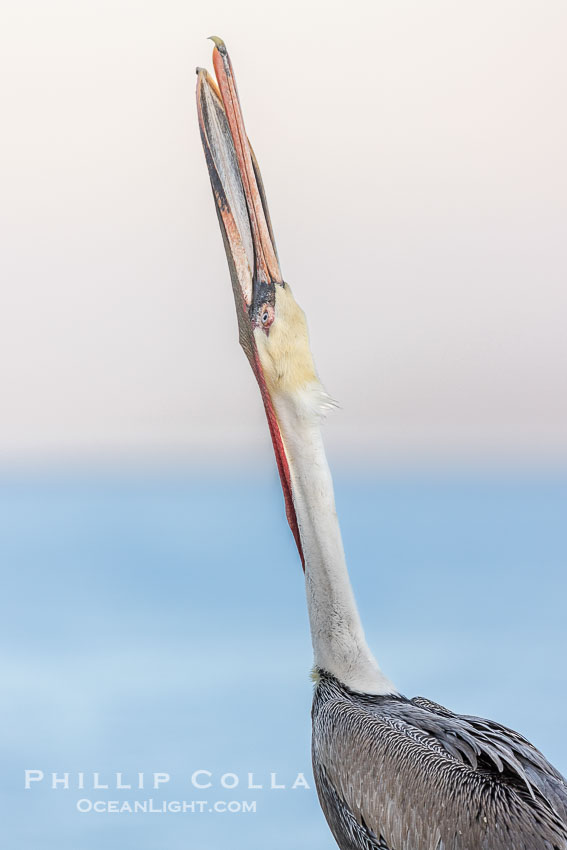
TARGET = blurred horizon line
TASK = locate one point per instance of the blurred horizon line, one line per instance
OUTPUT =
(132, 465)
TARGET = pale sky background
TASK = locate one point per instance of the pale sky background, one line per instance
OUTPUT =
(414, 160)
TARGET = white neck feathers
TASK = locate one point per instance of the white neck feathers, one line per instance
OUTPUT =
(339, 644)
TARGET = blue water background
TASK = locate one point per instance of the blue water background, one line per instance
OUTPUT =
(155, 621)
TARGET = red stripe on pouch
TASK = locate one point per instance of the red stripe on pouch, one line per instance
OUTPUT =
(281, 459)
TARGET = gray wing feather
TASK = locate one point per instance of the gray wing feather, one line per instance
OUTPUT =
(411, 775)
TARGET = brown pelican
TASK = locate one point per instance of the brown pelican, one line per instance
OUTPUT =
(391, 772)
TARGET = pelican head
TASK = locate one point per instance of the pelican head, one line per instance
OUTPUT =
(272, 326)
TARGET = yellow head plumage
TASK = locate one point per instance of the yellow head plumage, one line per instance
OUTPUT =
(284, 353)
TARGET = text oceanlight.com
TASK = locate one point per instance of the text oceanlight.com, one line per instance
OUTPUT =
(162, 807)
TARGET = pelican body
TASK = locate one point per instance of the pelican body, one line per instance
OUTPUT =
(391, 773)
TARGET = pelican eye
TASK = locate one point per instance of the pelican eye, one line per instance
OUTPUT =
(267, 316)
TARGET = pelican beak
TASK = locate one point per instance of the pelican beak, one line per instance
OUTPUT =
(245, 225)
(240, 199)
